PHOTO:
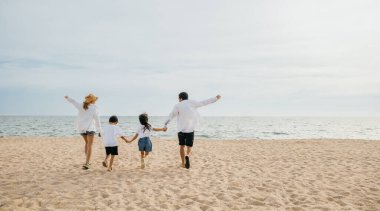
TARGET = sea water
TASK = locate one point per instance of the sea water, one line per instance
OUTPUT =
(218, 128)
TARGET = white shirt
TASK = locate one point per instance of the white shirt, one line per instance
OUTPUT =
(187, 114)
(87, 120)
(142, 134)
(110, 135)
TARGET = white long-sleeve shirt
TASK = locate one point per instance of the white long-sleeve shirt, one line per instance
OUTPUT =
(187, 114)
(87, 120)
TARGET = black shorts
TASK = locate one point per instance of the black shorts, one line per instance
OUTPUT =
(112, 150)
(186, 139)
(88, 133)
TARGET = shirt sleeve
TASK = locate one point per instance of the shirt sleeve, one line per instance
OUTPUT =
(75, 103)
(198, 104)
(97, 121)
(172, 114)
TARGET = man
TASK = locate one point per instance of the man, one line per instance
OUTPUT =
(187, 118)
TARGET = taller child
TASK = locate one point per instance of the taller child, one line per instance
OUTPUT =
(187, 119)
(88, 123)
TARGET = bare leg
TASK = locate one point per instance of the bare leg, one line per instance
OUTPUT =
(188, 151)
(146, 158)
(105, 161)
(182, 154)
(90, 139)
(142, 159)
(85, 144)
(111, 162)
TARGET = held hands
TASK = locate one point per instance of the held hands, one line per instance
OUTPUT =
(164, 129)
(218, 97)
(66, 97)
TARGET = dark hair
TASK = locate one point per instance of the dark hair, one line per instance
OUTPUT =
(113, 119)
(144, 121)
(183, 96)
(85, 105)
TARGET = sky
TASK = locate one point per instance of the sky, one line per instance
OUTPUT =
(266, 58)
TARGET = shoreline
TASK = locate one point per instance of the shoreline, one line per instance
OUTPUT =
(201, 139)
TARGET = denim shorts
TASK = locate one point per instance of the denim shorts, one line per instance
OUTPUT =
(88, 133)
(145, 144)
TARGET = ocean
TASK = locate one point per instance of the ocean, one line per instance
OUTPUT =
(217, 128)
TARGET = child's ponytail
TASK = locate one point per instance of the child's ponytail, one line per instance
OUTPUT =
(144, 121)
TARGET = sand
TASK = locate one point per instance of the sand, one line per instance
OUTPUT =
(45, 174)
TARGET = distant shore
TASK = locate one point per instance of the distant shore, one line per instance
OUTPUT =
(323, 174)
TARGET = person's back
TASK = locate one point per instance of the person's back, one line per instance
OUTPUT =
(187, 119)
(88, 119)
(110, 135)
(111, 132)
(143, 132)
(87, 123)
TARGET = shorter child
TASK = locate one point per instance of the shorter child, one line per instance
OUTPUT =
(144, 132)
(110, 134)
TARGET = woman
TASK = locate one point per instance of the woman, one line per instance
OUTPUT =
(88, 123)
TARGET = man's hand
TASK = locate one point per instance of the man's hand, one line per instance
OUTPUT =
(218, 97)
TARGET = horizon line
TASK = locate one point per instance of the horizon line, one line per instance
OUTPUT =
(309, 116)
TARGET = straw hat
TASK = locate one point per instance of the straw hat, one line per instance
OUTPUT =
(90, 98)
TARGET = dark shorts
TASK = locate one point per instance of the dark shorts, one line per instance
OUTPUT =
(186, 139)
(145, 144)
(88, 133)
(112, 150)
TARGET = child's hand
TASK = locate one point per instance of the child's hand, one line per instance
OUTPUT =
(164, 129)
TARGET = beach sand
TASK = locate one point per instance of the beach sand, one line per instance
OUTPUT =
(45, 174)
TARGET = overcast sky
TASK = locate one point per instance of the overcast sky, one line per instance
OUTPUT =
(266, 58)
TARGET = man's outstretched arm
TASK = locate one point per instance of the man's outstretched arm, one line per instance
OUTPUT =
(206, 102)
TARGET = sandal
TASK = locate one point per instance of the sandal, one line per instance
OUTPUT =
(86, 166)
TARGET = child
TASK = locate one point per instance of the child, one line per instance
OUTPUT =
(110, 134)
(143, 132)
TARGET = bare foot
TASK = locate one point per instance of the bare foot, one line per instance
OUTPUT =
(104, 163)
(109, 169)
